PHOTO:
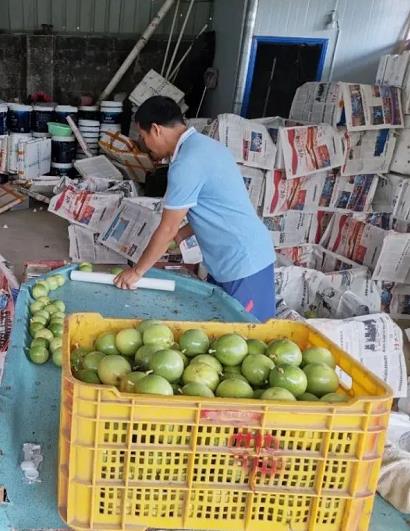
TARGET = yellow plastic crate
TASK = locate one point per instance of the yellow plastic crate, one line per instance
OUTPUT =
(129, 462)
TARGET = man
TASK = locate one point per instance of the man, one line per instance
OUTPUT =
(205, 184)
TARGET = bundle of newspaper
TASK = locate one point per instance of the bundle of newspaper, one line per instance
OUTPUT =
(153, 84)
(401, 157)
(357, 106)
(394, 70)
(294, 228)
(374, 340)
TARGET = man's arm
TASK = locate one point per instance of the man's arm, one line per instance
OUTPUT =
(160, 240)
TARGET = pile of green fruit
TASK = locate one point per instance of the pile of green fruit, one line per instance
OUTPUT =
(146, 359)
(46, 322)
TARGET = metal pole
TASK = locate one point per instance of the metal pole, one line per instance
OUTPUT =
(149, 30)
(170, 37)
(174, 73)
(272, 73)
(179, 38)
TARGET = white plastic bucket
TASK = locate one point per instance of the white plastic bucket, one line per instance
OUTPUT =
(62, 111)
(3, 118)
(19, 118)
(88, 112)
(111, 112)
(42, 114)
(62, 170)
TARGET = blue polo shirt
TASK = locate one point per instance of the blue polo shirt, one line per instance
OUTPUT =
(204, 178)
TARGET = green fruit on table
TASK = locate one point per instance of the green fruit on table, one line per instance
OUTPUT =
(256, 368)
(35, 327)
(321, 378)
(201, 373)
(234, 388)
(38, 355)
(92, 360)
(208, 360)
(39, 319)
(39, 290)
(318, 355)
(60, 280)
(55, 344)
(284, 352)
(197, 389)
(289, 377)
(59, 305)
(154, 384)
(45, 333)
(43, 300)
(36, 306)
(277, 393)
(39, 342)
(88, 376)
(231, 349)
(105, 342)
(57, 329)
(158, 335)
(116, 270)
(86, 267)
(168, 364)
(57, 357)
(52, 283)
(44, 313)
(193, 342)
(256, 346)
(128, 341)
(51, 309)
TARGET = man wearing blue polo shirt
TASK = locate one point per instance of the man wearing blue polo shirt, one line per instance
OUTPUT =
(206, 186)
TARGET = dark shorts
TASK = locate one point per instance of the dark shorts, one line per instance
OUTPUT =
(256, 293)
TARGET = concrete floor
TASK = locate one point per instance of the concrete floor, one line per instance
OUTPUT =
(32, 234)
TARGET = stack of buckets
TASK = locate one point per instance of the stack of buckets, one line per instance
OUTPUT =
(110, 116)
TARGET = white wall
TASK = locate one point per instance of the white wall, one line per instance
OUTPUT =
(368, 29)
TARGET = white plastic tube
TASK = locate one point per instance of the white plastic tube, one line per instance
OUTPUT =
(107, 278)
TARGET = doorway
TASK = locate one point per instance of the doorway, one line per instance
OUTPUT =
(277, 67)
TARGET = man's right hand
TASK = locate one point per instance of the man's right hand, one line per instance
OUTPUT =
(127, 279)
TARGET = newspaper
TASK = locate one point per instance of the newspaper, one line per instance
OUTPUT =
(3, 153)
(372, 106)
(294, 228)
(358, 281)
(130, 228)
(33, 158)
(386, 253)
(14, 141)
(8, 283)
(318, 103)
(153, 84)
(91, 210)
(254, 182)
(190, 250)
(98, 167)
(375, 341)
(395, 299)
(395, 70)
(368, 151)
(308, 149)
(84, 247)
(401, 157)
(327, 191)
(200, 124)
(393, 196)
(249, 141)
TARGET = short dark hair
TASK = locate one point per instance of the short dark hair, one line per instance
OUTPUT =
(158, 110)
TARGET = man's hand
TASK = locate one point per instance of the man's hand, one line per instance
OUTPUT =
(127, 279)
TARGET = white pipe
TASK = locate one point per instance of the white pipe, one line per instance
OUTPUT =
(174, 73)
(170, 37)
(106, 278)
(149, 30)
(78, 136)
(179, 38)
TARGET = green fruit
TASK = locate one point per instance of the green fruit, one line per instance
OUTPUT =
(76, 358)
(144, 354)
(39, 290)
(284, 352)
(105, 342)
(52, 283)
(172, 245)
(146, 324)
(86, 267)
(38, 355)
(39, 319)
(193, 342)
(277, 393)
(154, 384)
(321, 378)
(92, 360)
(59, 305)
(201, 373)
(57, 357)
(208, 360)
(289, 377)
(36, 306)
(158, 335)
(60, 280)
(128, 341)
(334, 397)
(55, 344)
(111, 368)
(256, 346)
(88, 376)
(35, 327)
(308, 397)
(116, 270)
(168, 364)
(57, 329)
(39, 342)
(318, 355)
(43, 313)
(234, 388)
(257, 393)
(128, 381)
(197, 389)
(58, 315)
(233, 371)
(183, 357)
(43, 300)
(231, 349)
(51, 309)
(256, 368)
(228, 376)
(45, 333)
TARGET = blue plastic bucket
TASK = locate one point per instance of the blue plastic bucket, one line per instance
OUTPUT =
(62, 149)
(3, 119)
(42, 114)
(19, 118)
